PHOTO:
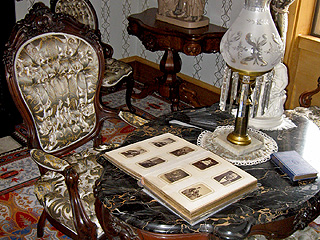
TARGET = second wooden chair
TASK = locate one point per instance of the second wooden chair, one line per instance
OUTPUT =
(115, 70)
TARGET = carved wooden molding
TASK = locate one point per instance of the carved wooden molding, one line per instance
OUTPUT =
(306, 97)
(111, 225)
(192, 49)
(86, 229)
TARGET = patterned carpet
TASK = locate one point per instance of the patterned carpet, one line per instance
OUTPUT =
(19, 208)
(18, 170)
(19, 214)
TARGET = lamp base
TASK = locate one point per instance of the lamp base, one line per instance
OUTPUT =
(209, 141)
(239, 150)
(239, 140)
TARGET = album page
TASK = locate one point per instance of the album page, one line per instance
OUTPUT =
(155, 153)
(202, 185)
(188, 179)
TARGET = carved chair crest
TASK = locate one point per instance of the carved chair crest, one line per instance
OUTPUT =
(54, 67)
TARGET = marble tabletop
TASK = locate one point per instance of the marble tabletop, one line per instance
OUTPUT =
(275, 199)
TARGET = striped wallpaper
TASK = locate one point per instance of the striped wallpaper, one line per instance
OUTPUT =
(112, 15)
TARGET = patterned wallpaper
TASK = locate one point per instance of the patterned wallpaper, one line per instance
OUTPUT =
(112, 15)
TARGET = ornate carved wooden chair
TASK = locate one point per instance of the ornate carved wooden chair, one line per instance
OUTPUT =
(306, 97)
(115, 70)
(54, 68)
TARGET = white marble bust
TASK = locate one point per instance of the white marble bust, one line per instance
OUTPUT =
(273, 114)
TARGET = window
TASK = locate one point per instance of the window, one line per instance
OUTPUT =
(315, 30)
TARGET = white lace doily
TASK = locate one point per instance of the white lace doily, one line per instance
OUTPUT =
(207, 140)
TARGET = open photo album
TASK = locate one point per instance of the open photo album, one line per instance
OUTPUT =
(191, 181)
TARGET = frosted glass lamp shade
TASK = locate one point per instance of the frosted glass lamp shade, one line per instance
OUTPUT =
(252, 43)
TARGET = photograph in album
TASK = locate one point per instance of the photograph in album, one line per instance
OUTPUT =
(191, 181)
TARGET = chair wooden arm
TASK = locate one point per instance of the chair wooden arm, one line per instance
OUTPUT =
(86, 229)
(306, 97)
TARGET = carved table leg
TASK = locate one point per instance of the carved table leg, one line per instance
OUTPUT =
(112, 226)
(169, 83)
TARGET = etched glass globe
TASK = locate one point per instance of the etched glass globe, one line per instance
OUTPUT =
(252, 43)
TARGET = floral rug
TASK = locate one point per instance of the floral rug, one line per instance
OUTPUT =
(19, 214)
(19, 208)
(18, 170)
(149, 107)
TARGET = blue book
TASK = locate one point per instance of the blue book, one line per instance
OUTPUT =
(291, 163)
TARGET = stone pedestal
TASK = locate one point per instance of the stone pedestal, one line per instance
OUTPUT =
(183, 23)
(237, 149)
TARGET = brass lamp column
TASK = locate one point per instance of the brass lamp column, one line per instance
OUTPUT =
(247, 80)
(251, 47)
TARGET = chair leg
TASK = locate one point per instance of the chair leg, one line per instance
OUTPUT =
(41, 224)
(130, 84)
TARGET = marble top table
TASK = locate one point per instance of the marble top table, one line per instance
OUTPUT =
(275, 210)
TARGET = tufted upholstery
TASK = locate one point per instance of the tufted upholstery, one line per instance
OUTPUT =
(57, 76)
(79, 9)
(115, 71)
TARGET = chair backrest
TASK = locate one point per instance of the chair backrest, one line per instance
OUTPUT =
(81, 10)
(84, 12)
(54, 68)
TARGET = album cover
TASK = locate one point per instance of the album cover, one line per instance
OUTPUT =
(189, 180)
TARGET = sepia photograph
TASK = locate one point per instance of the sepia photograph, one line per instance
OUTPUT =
(174, 175)
(227, 178)
(196, 191)
(182, 151)
(151, 162)
(133, 152)
(205, 163)
(163, 142)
